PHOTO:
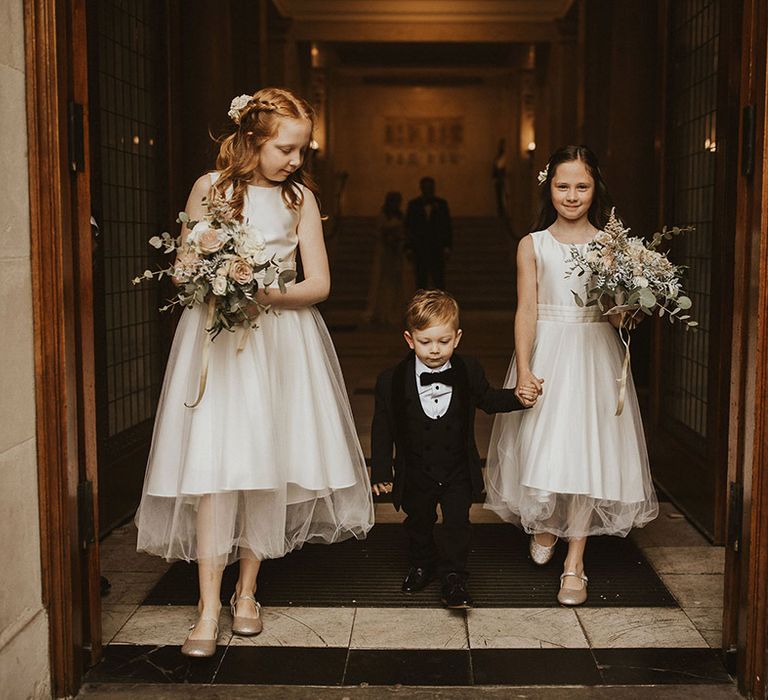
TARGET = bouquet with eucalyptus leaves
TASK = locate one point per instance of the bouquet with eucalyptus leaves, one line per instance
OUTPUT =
(222, 262)
(628, 274)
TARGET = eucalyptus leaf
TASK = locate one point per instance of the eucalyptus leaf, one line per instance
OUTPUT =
(684, 303)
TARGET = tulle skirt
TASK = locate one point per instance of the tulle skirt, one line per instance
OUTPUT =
(270, 457)
(568, 465)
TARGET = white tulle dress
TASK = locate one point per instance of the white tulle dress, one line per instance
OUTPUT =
(568, 465)
(270, 458)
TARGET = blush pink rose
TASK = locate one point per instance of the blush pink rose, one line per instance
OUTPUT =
(208, 240)
(240, 271)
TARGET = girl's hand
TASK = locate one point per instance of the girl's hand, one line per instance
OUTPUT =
(528, 383)
(382, 488)
(631, 321)
(527, 395)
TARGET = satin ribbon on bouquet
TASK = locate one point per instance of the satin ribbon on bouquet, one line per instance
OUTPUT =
(206, 355)
(626, 339)
(207, 351)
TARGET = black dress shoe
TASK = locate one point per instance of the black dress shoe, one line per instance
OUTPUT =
(417, 578)
(455, 594)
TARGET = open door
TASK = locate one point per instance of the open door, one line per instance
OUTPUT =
(127, 61)
(62, 290)
(699, 152)
(745, 622)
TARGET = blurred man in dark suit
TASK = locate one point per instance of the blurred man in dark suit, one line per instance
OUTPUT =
(429, 235)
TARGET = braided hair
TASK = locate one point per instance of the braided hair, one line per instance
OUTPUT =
(256, 122)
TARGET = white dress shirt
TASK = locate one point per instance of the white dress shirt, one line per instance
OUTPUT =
(435, 398)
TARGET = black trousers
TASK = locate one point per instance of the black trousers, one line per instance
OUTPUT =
(420, 498)
(429, 266)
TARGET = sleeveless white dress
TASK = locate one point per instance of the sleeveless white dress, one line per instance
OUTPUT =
(270, 458)
(568, 465)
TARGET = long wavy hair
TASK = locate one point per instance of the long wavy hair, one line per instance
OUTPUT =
(599, 211)
(258, 122)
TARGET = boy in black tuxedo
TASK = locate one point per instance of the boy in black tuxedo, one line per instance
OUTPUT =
(425, 407)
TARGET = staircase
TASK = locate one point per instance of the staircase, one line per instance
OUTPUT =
(480, 272)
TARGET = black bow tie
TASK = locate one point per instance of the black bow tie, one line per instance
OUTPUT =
(444, 377)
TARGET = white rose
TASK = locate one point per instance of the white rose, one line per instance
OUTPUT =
(603, 238)
(593, 257)
(253, 247)
(219, 286)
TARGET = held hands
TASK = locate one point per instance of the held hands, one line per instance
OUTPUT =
(382, 488)
(529, 388)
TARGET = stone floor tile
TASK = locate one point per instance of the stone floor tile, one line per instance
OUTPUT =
(669, 529)
(165, 624)
(695, 590)
(386, 513)
(408, 628)
(608, 628)
(524, 628)
(709, 622)
(302, 627)
(129, 587)
(120, 556)
(134, 691)
(686, 560)
(113, 617)
(482, 516)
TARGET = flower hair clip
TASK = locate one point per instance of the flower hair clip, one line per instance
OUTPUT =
(237, 106)
(543, 175)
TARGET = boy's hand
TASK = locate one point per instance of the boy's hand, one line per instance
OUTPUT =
(382, 488)
(528, 393)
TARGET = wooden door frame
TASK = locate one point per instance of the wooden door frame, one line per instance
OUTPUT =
(746, 571)
(63, 333)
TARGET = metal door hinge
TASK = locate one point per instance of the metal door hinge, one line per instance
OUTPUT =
(86, 513)
(748, 140)
(76, 138)
(735, 506)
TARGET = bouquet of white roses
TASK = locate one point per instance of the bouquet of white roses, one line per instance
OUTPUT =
(628, 274)
(221, 263)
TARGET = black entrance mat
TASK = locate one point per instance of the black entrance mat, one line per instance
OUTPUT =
(368, 573)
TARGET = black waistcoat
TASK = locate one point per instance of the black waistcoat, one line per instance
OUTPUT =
(437, 447)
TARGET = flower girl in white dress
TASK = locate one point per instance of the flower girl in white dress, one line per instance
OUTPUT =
(568, 467)
(270, 458)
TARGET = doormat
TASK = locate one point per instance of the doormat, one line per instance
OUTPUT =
(368, 573)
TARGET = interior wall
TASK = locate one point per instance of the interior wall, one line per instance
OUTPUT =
(620, 117)
(620, 114)
(477, 116)
(24, 660)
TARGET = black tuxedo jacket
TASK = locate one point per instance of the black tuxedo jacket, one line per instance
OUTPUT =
(428, 232)
(396, 387)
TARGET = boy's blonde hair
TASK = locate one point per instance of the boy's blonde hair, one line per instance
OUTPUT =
(431, 307)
